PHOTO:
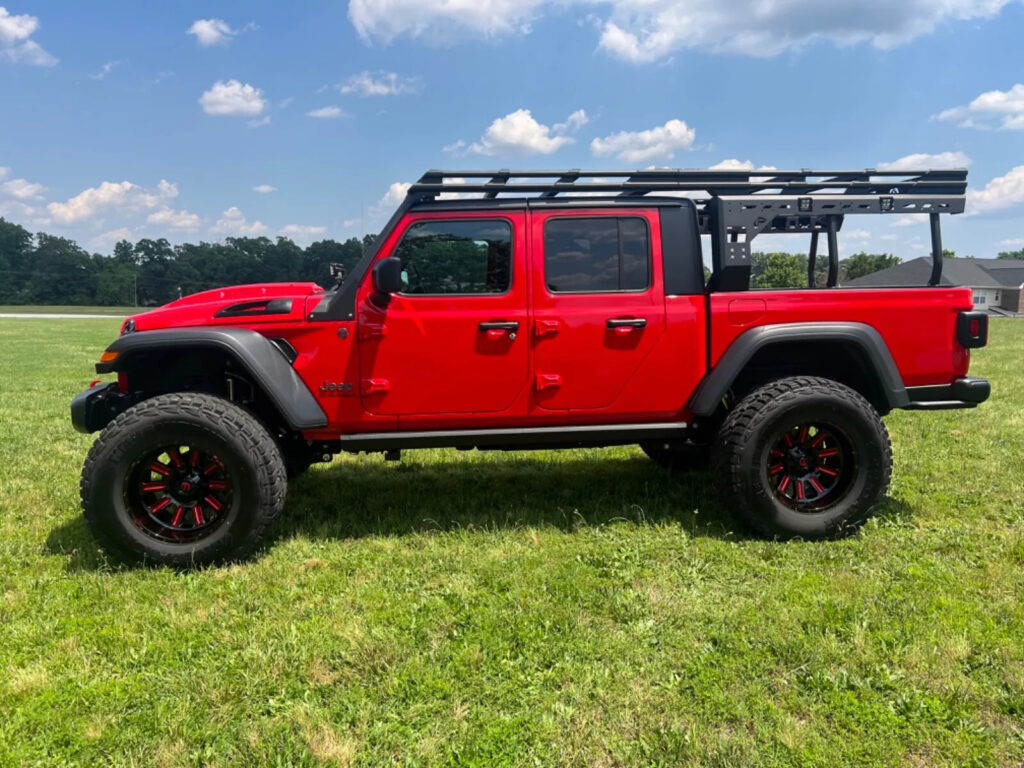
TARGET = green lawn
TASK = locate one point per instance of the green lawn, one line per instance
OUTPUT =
(577, 608)
(62, 309)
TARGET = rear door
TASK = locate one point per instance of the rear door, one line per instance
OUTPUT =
(599, 305)
(452, 341)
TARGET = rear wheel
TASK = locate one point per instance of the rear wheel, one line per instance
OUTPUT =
(803, 458)
(182, 479)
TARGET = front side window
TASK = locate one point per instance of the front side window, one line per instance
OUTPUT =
(468, 256)
(597, 254)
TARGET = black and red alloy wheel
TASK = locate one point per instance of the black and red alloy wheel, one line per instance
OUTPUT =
(811, 466)
(179, 493)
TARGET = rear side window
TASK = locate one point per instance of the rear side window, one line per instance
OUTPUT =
(468, 256)
(597, 254)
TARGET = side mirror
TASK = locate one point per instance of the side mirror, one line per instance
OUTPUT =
(387, 276)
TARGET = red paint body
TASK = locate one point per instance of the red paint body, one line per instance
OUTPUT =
(422, 363)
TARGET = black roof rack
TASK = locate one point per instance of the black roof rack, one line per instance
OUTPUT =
(735, 206)
(712, 183)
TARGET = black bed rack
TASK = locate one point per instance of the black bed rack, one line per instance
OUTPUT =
(734, 206)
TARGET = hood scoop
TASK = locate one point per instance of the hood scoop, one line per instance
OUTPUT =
(258, 308)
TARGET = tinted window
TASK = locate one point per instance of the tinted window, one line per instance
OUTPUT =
(445, 257)
(596, 255)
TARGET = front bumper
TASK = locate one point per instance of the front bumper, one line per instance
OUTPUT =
(968, 392)
(96, 407)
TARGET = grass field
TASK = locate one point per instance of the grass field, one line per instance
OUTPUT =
(60, 309)
(577, 608)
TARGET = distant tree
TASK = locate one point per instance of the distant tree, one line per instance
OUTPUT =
(62, 273)
(15, 261)
(321, 254)
(124, 253)
(861, 264)
(115, 282)
(778, 270)
(1012, 254)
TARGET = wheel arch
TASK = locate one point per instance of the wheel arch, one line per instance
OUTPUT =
(852, 353)
(167, 353)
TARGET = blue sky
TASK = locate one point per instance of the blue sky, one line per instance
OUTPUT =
(203, 120)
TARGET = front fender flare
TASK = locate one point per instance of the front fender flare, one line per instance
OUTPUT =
(717, 383)
(257, 355)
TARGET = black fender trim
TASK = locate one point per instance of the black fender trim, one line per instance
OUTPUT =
(259, 356)
(717, 383)
(96, 407)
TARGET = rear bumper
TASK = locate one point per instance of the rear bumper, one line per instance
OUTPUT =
(968, 392)
(96, 407)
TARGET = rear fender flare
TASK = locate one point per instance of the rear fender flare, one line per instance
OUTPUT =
(257, 355)
(717, 383)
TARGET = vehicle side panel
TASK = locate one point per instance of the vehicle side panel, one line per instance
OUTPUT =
(917, 324)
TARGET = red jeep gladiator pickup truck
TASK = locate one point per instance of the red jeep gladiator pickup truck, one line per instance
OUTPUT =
(517, 310)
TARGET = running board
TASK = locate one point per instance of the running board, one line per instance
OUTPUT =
(518, 439)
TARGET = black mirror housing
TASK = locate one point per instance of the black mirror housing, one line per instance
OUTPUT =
(387, 276)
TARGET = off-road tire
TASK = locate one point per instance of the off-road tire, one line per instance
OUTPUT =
(749, 440)
(242, 446)
(676, 458)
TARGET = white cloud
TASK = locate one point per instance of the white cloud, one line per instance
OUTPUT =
(440, 20)
(233, 223)
(1002, 192)
(909, 221)
(105, 70)
(925, 162)
(856, 234)
(1013, 242)
(395, 195)
(649, 30)
(259, 122)
(233, 98)
(264, 189)
(107, 239)
(658, 143)
(123, 197)
(1003, 109)
(732, 164)
(519, 134)
(379, 84)
(301, 232)
(215, 31)
(16, 43)
(326, 113)
(182, 221)
(21, 189)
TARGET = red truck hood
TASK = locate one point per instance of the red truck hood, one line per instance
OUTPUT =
(235, 305)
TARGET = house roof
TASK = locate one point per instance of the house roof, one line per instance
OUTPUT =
(1009, 272)
(967, 272)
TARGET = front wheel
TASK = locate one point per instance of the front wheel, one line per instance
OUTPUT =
(803, 458)
(182, 479)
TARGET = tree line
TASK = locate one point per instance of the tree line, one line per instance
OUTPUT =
(46, 269)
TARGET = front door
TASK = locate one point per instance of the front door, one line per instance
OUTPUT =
(599, 306)
(454, 340)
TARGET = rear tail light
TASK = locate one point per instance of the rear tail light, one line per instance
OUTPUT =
(972, 329)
